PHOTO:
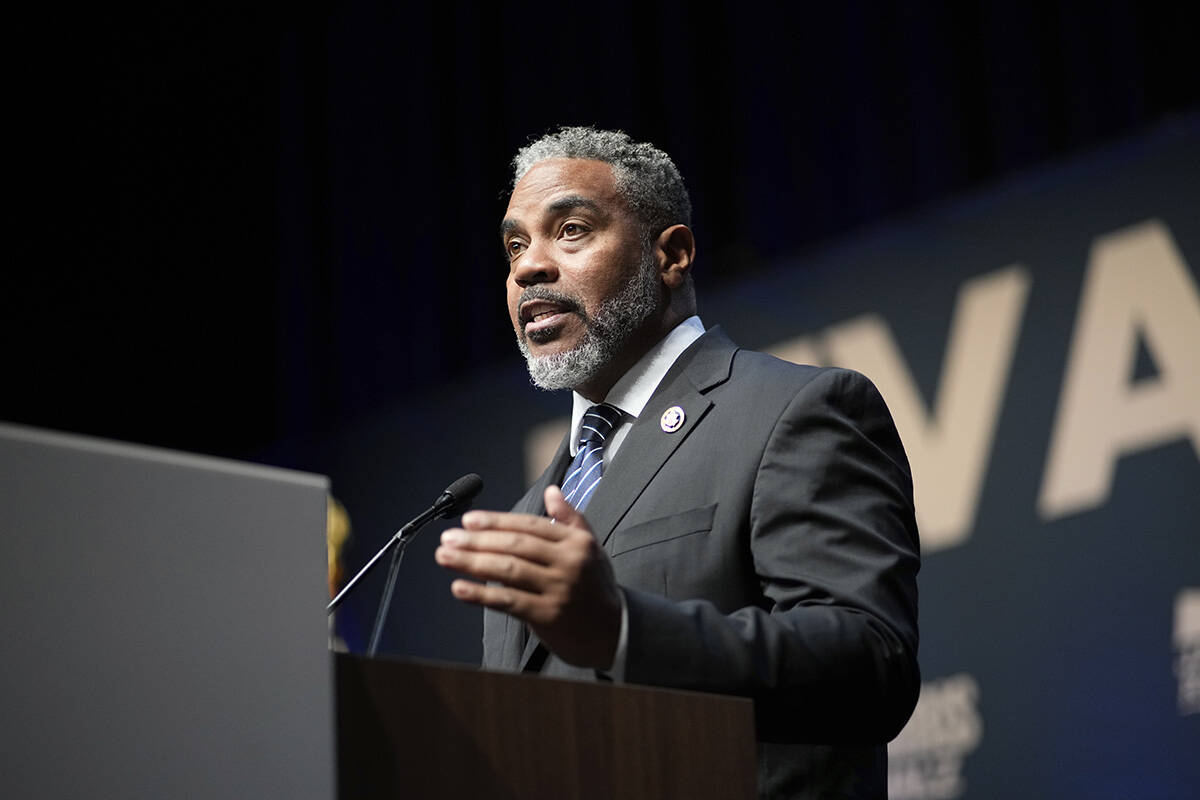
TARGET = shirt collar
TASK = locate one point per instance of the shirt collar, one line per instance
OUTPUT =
(634, 389)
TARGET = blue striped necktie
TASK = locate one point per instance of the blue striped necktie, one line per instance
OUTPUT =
(584, 473)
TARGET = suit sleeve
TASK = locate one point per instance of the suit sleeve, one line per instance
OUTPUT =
(830, 653)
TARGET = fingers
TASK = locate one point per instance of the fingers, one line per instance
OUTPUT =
(517, 523)
(502, 598)
(527, 606)
(507, 569)
(557, 508)
(549, 572)
(529, 547)
(561, 511)
(524, 565)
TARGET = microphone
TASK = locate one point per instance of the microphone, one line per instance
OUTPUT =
(456, 499)
(458, 496)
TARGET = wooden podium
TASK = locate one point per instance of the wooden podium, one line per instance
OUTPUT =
(409, 729)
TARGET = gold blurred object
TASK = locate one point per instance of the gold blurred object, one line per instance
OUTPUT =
(337, 533)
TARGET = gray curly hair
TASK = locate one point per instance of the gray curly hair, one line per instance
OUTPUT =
(646, 177)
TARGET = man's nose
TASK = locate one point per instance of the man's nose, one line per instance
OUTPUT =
(536, 265)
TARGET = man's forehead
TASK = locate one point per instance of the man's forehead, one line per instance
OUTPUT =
(556, 183)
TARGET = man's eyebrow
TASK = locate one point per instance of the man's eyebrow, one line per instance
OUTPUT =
(568, 203)
(573, 201)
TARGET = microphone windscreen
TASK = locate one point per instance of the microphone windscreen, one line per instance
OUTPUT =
(462, 493)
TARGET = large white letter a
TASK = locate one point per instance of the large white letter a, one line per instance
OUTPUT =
(1137, 283)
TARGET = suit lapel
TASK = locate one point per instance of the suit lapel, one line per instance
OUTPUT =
(646, 448)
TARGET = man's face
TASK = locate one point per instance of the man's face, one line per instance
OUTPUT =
(580, 285)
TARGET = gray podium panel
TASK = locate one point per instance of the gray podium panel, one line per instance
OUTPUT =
(164, 627)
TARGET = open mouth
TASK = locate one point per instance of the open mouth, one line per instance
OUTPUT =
(541, 317)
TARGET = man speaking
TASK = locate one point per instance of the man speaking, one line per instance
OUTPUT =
(717, 519)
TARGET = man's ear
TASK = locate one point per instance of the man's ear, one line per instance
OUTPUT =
(676, 250)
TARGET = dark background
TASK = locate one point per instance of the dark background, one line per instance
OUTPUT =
(240, 232)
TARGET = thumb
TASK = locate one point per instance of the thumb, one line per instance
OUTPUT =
(557, 508)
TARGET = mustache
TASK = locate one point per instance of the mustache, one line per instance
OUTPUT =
(567, 302)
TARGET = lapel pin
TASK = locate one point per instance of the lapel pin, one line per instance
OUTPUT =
(672, 419)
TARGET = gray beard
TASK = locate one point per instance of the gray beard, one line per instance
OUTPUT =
(606, 334)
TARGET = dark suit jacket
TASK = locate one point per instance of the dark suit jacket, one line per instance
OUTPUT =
(767, 548)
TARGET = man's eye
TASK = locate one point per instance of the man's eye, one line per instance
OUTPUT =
(513, 247)
(572, 229)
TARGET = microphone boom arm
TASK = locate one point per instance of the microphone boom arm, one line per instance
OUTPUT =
(400, 537)
(455, 500)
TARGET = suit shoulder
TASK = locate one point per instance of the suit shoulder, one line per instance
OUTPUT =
(751, 364)
(783, 384)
